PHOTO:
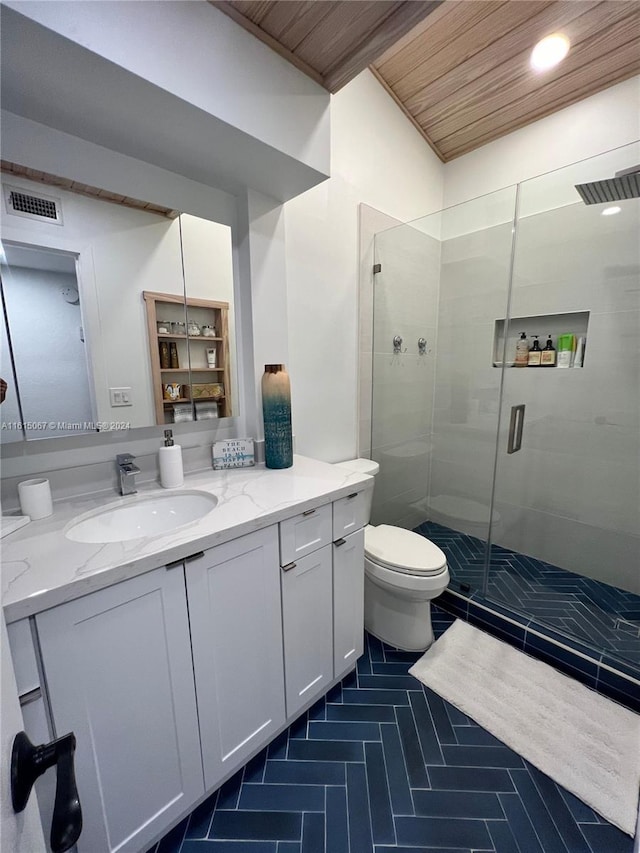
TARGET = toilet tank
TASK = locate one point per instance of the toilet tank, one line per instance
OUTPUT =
(362, 466)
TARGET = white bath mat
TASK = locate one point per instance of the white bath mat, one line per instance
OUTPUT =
(583, 741)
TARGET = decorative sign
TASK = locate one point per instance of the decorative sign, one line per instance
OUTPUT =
(233, 453)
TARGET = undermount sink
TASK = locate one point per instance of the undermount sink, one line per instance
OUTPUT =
(143, 516)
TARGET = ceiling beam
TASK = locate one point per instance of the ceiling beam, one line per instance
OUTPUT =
(374, 45)
(366, 50)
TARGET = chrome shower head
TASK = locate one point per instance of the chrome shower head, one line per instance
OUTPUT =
(625, 185)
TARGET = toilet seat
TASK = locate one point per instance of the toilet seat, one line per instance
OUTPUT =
(403, 551)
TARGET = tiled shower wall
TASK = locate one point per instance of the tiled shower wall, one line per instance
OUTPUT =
(571, 496)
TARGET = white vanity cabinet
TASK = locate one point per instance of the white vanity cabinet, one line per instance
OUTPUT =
(307, 604)
(348, 601)
(236, 635)
(171, 680)
(119, 675)
(322, 598)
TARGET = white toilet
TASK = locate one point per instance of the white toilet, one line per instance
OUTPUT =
(403, 573)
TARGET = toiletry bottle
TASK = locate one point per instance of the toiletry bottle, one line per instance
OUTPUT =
(565, 350)
(522, 351)
(170, 458)
(165, 361)
(535, 353)
(548, 357)
(578, 359)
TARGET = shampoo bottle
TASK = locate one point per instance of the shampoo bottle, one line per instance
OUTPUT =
(535, 353)
(522, 351)
(548, 358)
(170, 457)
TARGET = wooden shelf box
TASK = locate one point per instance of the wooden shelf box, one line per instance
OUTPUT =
(192, 369)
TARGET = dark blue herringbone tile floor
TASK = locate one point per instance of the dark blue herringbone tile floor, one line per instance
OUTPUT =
(384, 765)
(603, 616)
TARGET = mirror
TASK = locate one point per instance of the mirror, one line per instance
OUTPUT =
(40, 294)
(92, 308)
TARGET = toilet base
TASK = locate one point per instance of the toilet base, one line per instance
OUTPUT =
(402, 623)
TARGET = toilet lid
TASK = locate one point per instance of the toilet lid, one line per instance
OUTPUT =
(403, 551)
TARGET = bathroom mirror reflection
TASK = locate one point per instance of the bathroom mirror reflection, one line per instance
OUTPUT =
(88, 354)
(45, 337)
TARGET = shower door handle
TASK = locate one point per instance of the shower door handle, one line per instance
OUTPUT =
(516, 426)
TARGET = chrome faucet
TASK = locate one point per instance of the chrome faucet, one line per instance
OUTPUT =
(127, 473)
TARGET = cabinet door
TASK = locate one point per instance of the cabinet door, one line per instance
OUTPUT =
(307, 624)
(348, 601)
(119, 674)
(236, 629)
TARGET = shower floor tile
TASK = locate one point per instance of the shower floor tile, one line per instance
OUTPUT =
(602, 616)
(424, 777)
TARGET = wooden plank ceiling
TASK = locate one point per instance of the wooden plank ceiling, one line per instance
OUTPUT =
(332, 42)
(459, 69)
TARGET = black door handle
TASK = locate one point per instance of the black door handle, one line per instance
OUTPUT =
(28, 762)
(516, 425)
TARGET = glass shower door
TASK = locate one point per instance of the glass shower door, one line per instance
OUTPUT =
(442, 280)
(405, 301)
(565, 547)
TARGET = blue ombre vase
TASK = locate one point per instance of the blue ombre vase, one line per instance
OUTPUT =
(276, 413)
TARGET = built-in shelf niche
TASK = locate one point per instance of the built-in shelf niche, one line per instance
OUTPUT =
(543, 325)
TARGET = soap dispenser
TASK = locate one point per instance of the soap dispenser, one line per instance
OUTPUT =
(170, 458)
(522, 351)
(535, 353)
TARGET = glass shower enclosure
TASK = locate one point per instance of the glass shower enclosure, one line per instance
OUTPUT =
(529, 477)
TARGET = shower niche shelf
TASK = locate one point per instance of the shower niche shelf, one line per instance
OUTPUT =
(543, 325)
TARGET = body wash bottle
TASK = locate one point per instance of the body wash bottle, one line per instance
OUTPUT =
(548, 358)
(535, 353)
(170, 458)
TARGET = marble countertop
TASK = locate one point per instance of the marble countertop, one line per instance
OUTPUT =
(42, 568)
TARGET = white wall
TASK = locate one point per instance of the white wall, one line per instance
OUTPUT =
(596, 124)
(379, 159)
(197, 53)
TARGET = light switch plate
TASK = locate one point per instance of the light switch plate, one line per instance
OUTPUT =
(120, 396)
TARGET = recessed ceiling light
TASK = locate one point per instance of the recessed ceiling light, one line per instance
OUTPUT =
(549, 52)
(609, 211)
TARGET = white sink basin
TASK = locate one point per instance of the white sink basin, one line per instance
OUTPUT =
(143, 516)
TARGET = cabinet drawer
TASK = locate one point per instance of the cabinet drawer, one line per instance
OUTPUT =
(304, 533)
(350, 513)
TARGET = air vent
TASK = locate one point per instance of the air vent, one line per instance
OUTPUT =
(44, 208)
